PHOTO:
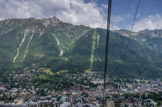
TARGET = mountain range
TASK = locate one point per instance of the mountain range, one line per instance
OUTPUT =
(51, 43)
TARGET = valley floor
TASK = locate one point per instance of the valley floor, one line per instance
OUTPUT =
(38, 88)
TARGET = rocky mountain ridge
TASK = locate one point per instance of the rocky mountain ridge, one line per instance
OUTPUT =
(51, 43)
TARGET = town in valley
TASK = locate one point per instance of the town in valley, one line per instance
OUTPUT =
(43, 88)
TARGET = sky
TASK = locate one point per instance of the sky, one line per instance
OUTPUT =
(91, 13)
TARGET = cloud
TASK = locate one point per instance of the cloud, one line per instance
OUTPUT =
(120, 21)
(105, 6)
(150, 22)
(117, 19)
(73, 11)
(76, 12)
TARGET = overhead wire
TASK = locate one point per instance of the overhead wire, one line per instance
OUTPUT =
(131, 30)
(107, 42)
(107, 46)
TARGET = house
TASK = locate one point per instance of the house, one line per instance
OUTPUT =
(66, 104)
(149, 102)
(64, 98)
(2, 88)
(56, 104)
(19, 101)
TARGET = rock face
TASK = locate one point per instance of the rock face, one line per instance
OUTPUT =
(51, 21)
(151, 38)
(54, 44)
(126, 33)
